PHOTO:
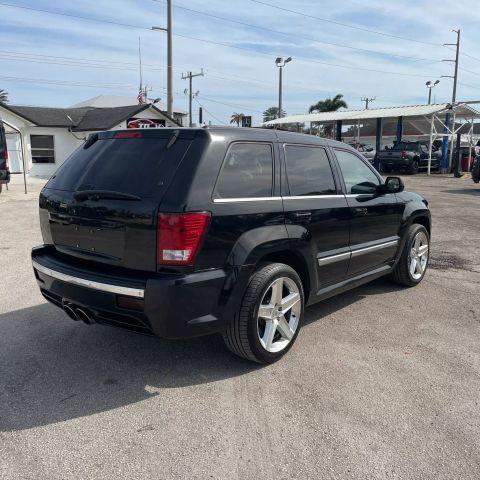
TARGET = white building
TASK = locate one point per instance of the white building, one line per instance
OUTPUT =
(42, 138)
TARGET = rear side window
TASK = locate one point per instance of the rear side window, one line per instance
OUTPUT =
(247, 171)
(137, 166)
(309, 171)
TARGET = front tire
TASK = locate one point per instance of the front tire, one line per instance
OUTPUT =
(270, 316)
(413, 170)
(413, 261)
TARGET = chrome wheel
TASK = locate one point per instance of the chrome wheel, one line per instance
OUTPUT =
(418, 256)
(278, 314)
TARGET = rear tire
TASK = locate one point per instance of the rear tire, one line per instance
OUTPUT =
(413, 170)
(413, 261)
(270, 315)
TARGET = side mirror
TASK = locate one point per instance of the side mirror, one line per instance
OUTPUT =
(394, 185)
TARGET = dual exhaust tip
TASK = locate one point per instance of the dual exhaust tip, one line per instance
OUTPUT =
(78, 313)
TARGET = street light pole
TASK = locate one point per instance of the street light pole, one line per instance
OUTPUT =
(169, 59)
(280, 62)
(430, 85)
(169, 31)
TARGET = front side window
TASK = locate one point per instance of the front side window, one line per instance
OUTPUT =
(247, 171)
(309, 171)
(43, 149)
(359, 178)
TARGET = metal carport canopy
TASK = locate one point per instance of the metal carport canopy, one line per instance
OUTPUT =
(460, 109)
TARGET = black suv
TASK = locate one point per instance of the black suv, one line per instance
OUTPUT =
(4, 167)
(187, 232)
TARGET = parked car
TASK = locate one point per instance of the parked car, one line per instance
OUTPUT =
(476, 170)
(408, 157)
(188, 232)
(4, 166)
(366, 150)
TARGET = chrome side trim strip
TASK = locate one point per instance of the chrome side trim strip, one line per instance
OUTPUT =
(82, 282)
(246, 199)
(355, 253)
(334, 258)
(373, 248)
(301, 197)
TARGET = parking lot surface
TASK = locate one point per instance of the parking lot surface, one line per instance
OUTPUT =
(383, 382)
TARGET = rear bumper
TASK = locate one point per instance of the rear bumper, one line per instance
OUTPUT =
(174, 305)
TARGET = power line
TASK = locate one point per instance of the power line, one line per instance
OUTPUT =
(208, 99)
(355, 27)
(303, 59)
(313, 39)
(210, 113)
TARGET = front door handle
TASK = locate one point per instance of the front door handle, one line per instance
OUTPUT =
(361, 212)
(305, 216)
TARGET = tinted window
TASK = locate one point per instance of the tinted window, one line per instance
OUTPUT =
(246, 171)
(139, 166)
(405, 146)
(309, 171)
(358, 177)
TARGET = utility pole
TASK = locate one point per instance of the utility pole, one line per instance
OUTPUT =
(169, 31)
(189, 76)
(367, 101)
(454, 93)
(280, 63)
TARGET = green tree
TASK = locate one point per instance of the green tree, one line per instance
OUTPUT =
(272, 114)
(3, 96)
(236, 118)
(328, 105)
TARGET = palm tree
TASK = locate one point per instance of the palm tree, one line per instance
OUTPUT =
(272, 114)
(329, 104)
(236, 118)
(3, 96)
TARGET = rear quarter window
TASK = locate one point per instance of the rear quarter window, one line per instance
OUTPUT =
(247, 171)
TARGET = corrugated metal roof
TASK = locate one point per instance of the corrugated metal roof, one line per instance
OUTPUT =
(406, 111)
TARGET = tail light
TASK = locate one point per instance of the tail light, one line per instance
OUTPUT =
(5, 155)
(179, 236)
(404, 155)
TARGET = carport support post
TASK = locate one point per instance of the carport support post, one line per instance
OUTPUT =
(446, 128)
(378, 142)
(338, 135)
(399, 129)
(458, 156)
(430, 144)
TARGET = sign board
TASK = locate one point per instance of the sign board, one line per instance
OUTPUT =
(246, 121)
(145, 123)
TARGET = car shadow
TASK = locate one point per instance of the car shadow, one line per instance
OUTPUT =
(53, 369)
(465, 191)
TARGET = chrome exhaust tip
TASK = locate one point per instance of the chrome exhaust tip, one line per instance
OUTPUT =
(70, 312)
(84, 316)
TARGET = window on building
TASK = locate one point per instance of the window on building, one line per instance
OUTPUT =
(247, 171)
(309, 171)
(359, 178)
(43, 149)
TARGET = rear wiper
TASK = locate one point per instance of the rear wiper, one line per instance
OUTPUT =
(98, 194)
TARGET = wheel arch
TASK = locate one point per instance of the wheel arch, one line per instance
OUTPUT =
(295, 261)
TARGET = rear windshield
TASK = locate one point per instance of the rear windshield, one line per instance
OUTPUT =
(137, 166)
(405, 146)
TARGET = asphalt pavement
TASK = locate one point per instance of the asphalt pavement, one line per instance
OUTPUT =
(382, 383)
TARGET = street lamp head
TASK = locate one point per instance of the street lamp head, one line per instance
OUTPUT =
(428, 83)
(278, 61)
(289, 59)
(437, 82)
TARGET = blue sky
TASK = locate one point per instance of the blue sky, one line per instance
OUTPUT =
(101, 58)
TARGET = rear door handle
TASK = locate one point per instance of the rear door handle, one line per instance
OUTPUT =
(303, 215)
(361, 212)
